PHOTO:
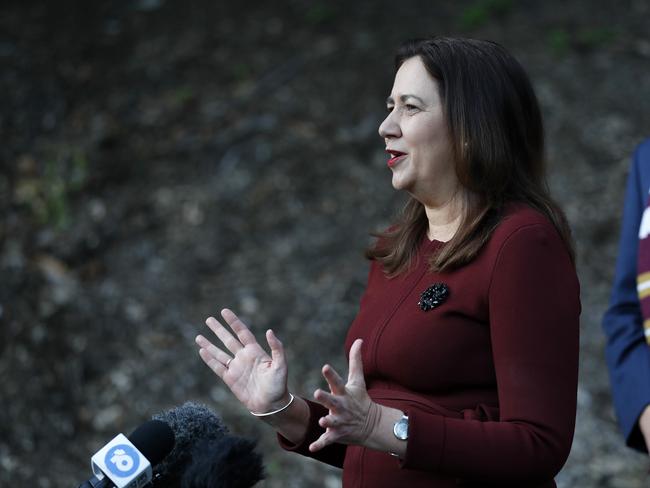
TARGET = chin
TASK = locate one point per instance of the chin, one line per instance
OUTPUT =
(400, 184)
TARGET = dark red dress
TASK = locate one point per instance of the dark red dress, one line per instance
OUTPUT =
(488, 378)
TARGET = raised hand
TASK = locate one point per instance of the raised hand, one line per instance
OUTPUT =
(353, 416)
(259, 381)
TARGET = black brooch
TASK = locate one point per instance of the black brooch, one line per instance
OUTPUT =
(433, 296)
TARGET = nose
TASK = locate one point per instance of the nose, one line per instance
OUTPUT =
(389, 128)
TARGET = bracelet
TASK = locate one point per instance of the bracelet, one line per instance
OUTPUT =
(275, 411)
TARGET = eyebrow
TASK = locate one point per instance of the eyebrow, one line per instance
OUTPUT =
(403, 99)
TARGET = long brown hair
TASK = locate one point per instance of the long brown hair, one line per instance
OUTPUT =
(497, 137)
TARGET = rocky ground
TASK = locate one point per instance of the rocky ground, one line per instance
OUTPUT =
(163, 159)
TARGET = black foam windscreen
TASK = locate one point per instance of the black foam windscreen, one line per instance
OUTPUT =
(154, 439)
(205, 454)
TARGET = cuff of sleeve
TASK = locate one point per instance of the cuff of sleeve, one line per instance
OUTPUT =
(314, 431)
(426, 441)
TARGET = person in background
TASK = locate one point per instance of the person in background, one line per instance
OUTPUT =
(627, 320)
(463, 358)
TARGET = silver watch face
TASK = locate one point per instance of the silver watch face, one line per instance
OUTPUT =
(401, 428)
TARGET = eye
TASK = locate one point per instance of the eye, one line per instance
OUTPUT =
(410, 107)
(389, 108)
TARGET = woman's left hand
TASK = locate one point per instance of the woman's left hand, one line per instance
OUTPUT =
(352, 414)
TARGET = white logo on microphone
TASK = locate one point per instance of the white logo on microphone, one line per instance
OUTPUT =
(122, 460)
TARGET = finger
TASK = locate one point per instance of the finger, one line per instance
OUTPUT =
(213, 350)
(327, 400)
(214, 364)
(277, 349)
(329, 421)
(243, 332)
(324, 440)
(335, 382)
(355, 373)
(228, 340)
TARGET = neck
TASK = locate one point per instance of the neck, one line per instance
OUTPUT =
(444, 220)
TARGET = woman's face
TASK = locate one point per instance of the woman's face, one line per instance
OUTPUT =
(417, 138)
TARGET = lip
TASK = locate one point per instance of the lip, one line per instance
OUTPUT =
(397, 156)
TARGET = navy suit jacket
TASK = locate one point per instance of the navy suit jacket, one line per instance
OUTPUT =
(628, 354)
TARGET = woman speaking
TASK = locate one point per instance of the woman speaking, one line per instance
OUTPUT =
(463, 358)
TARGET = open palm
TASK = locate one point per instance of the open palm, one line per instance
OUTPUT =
(257, 379)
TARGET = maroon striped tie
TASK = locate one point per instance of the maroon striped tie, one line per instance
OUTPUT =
(643, 270)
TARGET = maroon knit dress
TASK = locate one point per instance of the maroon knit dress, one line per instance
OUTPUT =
(488, 378)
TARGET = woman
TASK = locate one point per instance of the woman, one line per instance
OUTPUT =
(463, 358)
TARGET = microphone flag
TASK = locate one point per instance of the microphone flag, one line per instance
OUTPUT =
(122, 463)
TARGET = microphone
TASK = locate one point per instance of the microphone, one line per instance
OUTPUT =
(205, 454)
(127, 462)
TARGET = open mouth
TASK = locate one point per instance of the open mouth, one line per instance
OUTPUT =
(396, 156)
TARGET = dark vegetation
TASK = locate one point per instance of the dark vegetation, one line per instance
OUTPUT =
(163, 159)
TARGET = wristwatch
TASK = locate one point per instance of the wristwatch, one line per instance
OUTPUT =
(401, 428)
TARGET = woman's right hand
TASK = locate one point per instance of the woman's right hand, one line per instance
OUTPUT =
(259, 381)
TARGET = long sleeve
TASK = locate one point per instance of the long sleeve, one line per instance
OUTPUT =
(332, 454)
(627, 353)
(534, 313)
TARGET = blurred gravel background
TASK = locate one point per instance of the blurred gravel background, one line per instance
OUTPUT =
(163, 159)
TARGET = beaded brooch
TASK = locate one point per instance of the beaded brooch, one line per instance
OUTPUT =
(433, 296)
